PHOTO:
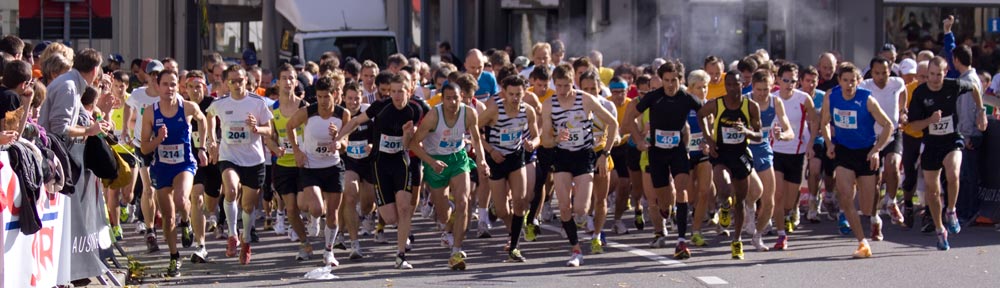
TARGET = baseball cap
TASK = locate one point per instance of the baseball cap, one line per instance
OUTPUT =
(908, 67)
(117, 58)
(40, 47)
(521, 61)
(153, 66)
(297, 63)
(249, 57)
(889, 47)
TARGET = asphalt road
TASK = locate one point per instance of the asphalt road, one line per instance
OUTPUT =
(818, 257)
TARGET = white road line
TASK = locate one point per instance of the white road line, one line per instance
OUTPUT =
(636, 251)
(712, 280)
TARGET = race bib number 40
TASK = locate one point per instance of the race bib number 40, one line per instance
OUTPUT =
(171, 154)
(238, 133)
(845, 119)
(667, 139)
(390, 144)
(944, 127)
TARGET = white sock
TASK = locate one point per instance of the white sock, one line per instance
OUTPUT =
(230, 209)
(951, 210)
(876, 219)
(247, 222)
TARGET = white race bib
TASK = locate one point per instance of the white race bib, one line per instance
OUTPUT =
(695, 143)
(390, 144)
(171, 154)
(732, 135)
(357, 149)
(667, 139)
(323, 149)
(576, 136)
(943, 127)
(196, 139)
(287, 146)
(238, 133)
(845, 119)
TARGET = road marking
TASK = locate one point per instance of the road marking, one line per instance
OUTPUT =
(635, 251)
(712, 280)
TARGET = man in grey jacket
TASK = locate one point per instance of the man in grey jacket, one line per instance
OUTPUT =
(969, 183)
(59, 113)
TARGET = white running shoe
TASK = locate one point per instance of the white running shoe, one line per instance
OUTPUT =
(447, 240)
(590, 224)
(294, 237)
(140, 228)
(329, 259)
(279, 225)
(750, 220)
(483, 230)
(575, 260)
(426, 209)
(619, 228)
(380, 237)
(758, 242)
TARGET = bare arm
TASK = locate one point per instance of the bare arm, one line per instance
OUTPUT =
(425, 127)
(610, 123)
(548, 137)
(532, 127)
(471, 120)
(783, 123)
(881, 119)
(147, 142)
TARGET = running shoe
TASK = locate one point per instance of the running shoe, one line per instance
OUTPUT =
(187, 236)
(140, 228)
(698, 240)
(845, 227)
(329, 259)
(864, 251)
(640, 222)
(954, 227)
(758, 242)
(713, 218)
(830, 205)
(401, 262)
(245, 253)
(942, 241)
(279, 224)
(116, 232)
(380, 237)
(356, 254)
(529, 232)
(220, 234)
(447, 239)
(895, 214)
(173, 269)
(367, 226)
(812, 216)
(590, 224)
(547, 214)
(151, 245)
(909, 216)
(781, 243)
(877, 230)
(789, 225)
(796, 214)
(409, 242)
(515, 256)
(576, 259)
(253, 235)
(293, 236)
(200, 255)
(457, 261)
(928, 223)
(231, 245)
(725, 219)
(750, 220)
(682, 252)
(338, 242)
(425, 209)
(268, 223)
(619, 228)
(312, 228)
(596, 247)
(737, 248)
(492, 214)
(305, 251)
(484, 230)
(659, 241)
(211, 223)
(124, 214)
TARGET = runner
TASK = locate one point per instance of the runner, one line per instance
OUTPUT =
(358, 175)
(318, 154)
(762, 181)
(912, 143)
(287, 180)
(138, 101)
(889, 91)
(934, 111)
(207, 179)
(820, 166)
(855, 139)
(701, 187)
(369, 87)
(174, 161)
(589, 82)
(668, 110)
(394, 121)
(243, 117)
(790, 152)
(619, 154)
(540, 77)
(570, 112)
(447, 165)
(729, 151)
(123, 196)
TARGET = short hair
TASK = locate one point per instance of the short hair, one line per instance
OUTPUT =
(286, 67)
(15, 73)
(761, 76)
(88, 60)
(89, 95)
(788, 67)
(352, 67)
(39, 97)
(466, 82)
(445, 45)
(962, 54)
(582, 63)
(499, 59)
(122, 75)
(168, 59)
(563, 72)
(352, 86)
(385, 77)
(938, 61)
(541, 45)
(809, 70)
(670, 66)
(397, 59)
(878, 59)
(369, 64)
(325, 67)
(925, 54)
(164, 73)
(848, 67)
(503, 72)
(540, 73)
(55, 65)
(643, 79)
(625, 69)
(747, 64)
(558, 46)
(234, 68)
(57, 48)
(329, 81)
(591, 74)
(698, 76)
(514, 80)
(408, 69)
(12, 45)
(138, 62)
(399, 79)
(711, 59)
(442, 72)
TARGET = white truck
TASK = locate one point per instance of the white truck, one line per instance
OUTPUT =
(352, 28)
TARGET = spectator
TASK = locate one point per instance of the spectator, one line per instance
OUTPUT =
(16, 82)
(54, 66)
(444, 51)
(57, 112)
(12, 45)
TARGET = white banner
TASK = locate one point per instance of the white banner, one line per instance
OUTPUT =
(30, 260)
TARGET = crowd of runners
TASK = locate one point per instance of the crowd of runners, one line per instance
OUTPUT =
(345, 151)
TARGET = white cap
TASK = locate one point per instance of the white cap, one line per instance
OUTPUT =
(908, 67)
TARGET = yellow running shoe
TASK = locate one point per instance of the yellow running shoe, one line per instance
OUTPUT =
(529, 232)
(725, 218)
(698, 240)
(596, 247)
(457, 261)
(737, 247)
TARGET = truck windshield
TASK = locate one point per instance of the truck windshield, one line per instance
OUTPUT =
(375, 48)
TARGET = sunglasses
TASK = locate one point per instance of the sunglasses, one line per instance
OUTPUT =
(789, 81)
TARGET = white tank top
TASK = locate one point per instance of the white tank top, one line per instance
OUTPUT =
(317, 142)
(446, 140)
(795, 111)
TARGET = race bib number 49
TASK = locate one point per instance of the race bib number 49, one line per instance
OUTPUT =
(845, 119)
